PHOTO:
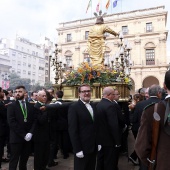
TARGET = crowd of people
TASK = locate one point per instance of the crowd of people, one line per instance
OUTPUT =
(96, 132)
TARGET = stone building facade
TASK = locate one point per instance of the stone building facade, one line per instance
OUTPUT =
(145, 30)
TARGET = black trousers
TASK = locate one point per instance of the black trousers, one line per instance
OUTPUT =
(2, 144)
(19, 152)
(107, 158)
(41, 155)
(86, 163)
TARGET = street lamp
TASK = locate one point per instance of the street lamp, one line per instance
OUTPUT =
(59, 64)
(121, 62)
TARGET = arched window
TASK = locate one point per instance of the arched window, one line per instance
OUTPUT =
(68, 56)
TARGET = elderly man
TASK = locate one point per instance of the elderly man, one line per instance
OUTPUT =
(41, 137)
(110, 125)
(81, 122)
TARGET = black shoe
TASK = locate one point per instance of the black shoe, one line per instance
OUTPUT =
(52, 164)
(132, 160)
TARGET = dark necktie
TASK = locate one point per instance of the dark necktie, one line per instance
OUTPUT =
(23, 105)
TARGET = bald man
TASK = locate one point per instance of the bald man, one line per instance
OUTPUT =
(41, 137)
(109, 130)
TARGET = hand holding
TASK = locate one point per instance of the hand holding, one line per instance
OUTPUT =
(80, 154)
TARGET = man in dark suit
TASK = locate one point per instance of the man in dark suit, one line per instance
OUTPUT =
(62, 126)
(3, 124)
(42, 135)
(110, 126)
(21, 119)
(155, 94)
(81, 122)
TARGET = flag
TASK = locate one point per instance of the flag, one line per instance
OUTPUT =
(108, 3)
(97, 8)
(115, 3)
(89, 4)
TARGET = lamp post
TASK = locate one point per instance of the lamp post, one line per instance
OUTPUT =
(121, 62)
(5, 81)
(59, 64)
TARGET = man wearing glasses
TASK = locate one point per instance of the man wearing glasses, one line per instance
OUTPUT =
(81, 118)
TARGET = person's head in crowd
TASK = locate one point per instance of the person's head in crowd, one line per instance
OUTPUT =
(108, 93)
(34, 95)
(146, 93)
(1, 94)
(84, 91)
(167, 81)
(10, 93)
(51, 91)
(59, 94)
(49, 97)
(6, 94)
(155, 90)
(136, 98)
(20, 92)
(26, 95)
(116, 94)
(164, 93)
(142, 91)
(41, 96)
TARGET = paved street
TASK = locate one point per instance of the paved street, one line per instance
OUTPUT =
(67, 164)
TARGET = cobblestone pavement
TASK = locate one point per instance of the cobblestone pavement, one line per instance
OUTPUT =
(67, 164)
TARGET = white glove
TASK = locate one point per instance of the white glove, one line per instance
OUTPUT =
(80, 154)
(124, 128)
(28, 137)
(99, 147)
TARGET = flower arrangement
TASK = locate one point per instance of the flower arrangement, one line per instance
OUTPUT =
(90, 74)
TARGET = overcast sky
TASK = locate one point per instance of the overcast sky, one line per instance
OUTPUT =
(33, 18)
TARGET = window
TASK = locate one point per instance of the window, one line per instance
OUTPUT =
(34, 66)
(86, 35)
(46, 72)
(13, 62)
(13, 53)
(46, 64)
(24, 71)
(24, 57)
(41, 61)
(46, 57)
(24, 64)
(86, 58)
(29, 72)
(68, 60)
(69, 38)
(18, 71)
(41, 68)
(33, 73)
(150, 57)
(29, 65)
(19, 63)
(149, 27)
(125, 30)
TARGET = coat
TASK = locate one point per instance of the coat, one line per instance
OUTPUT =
(81, 128)
(144, 138)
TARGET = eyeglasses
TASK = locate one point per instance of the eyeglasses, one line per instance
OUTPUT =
(86, 91)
